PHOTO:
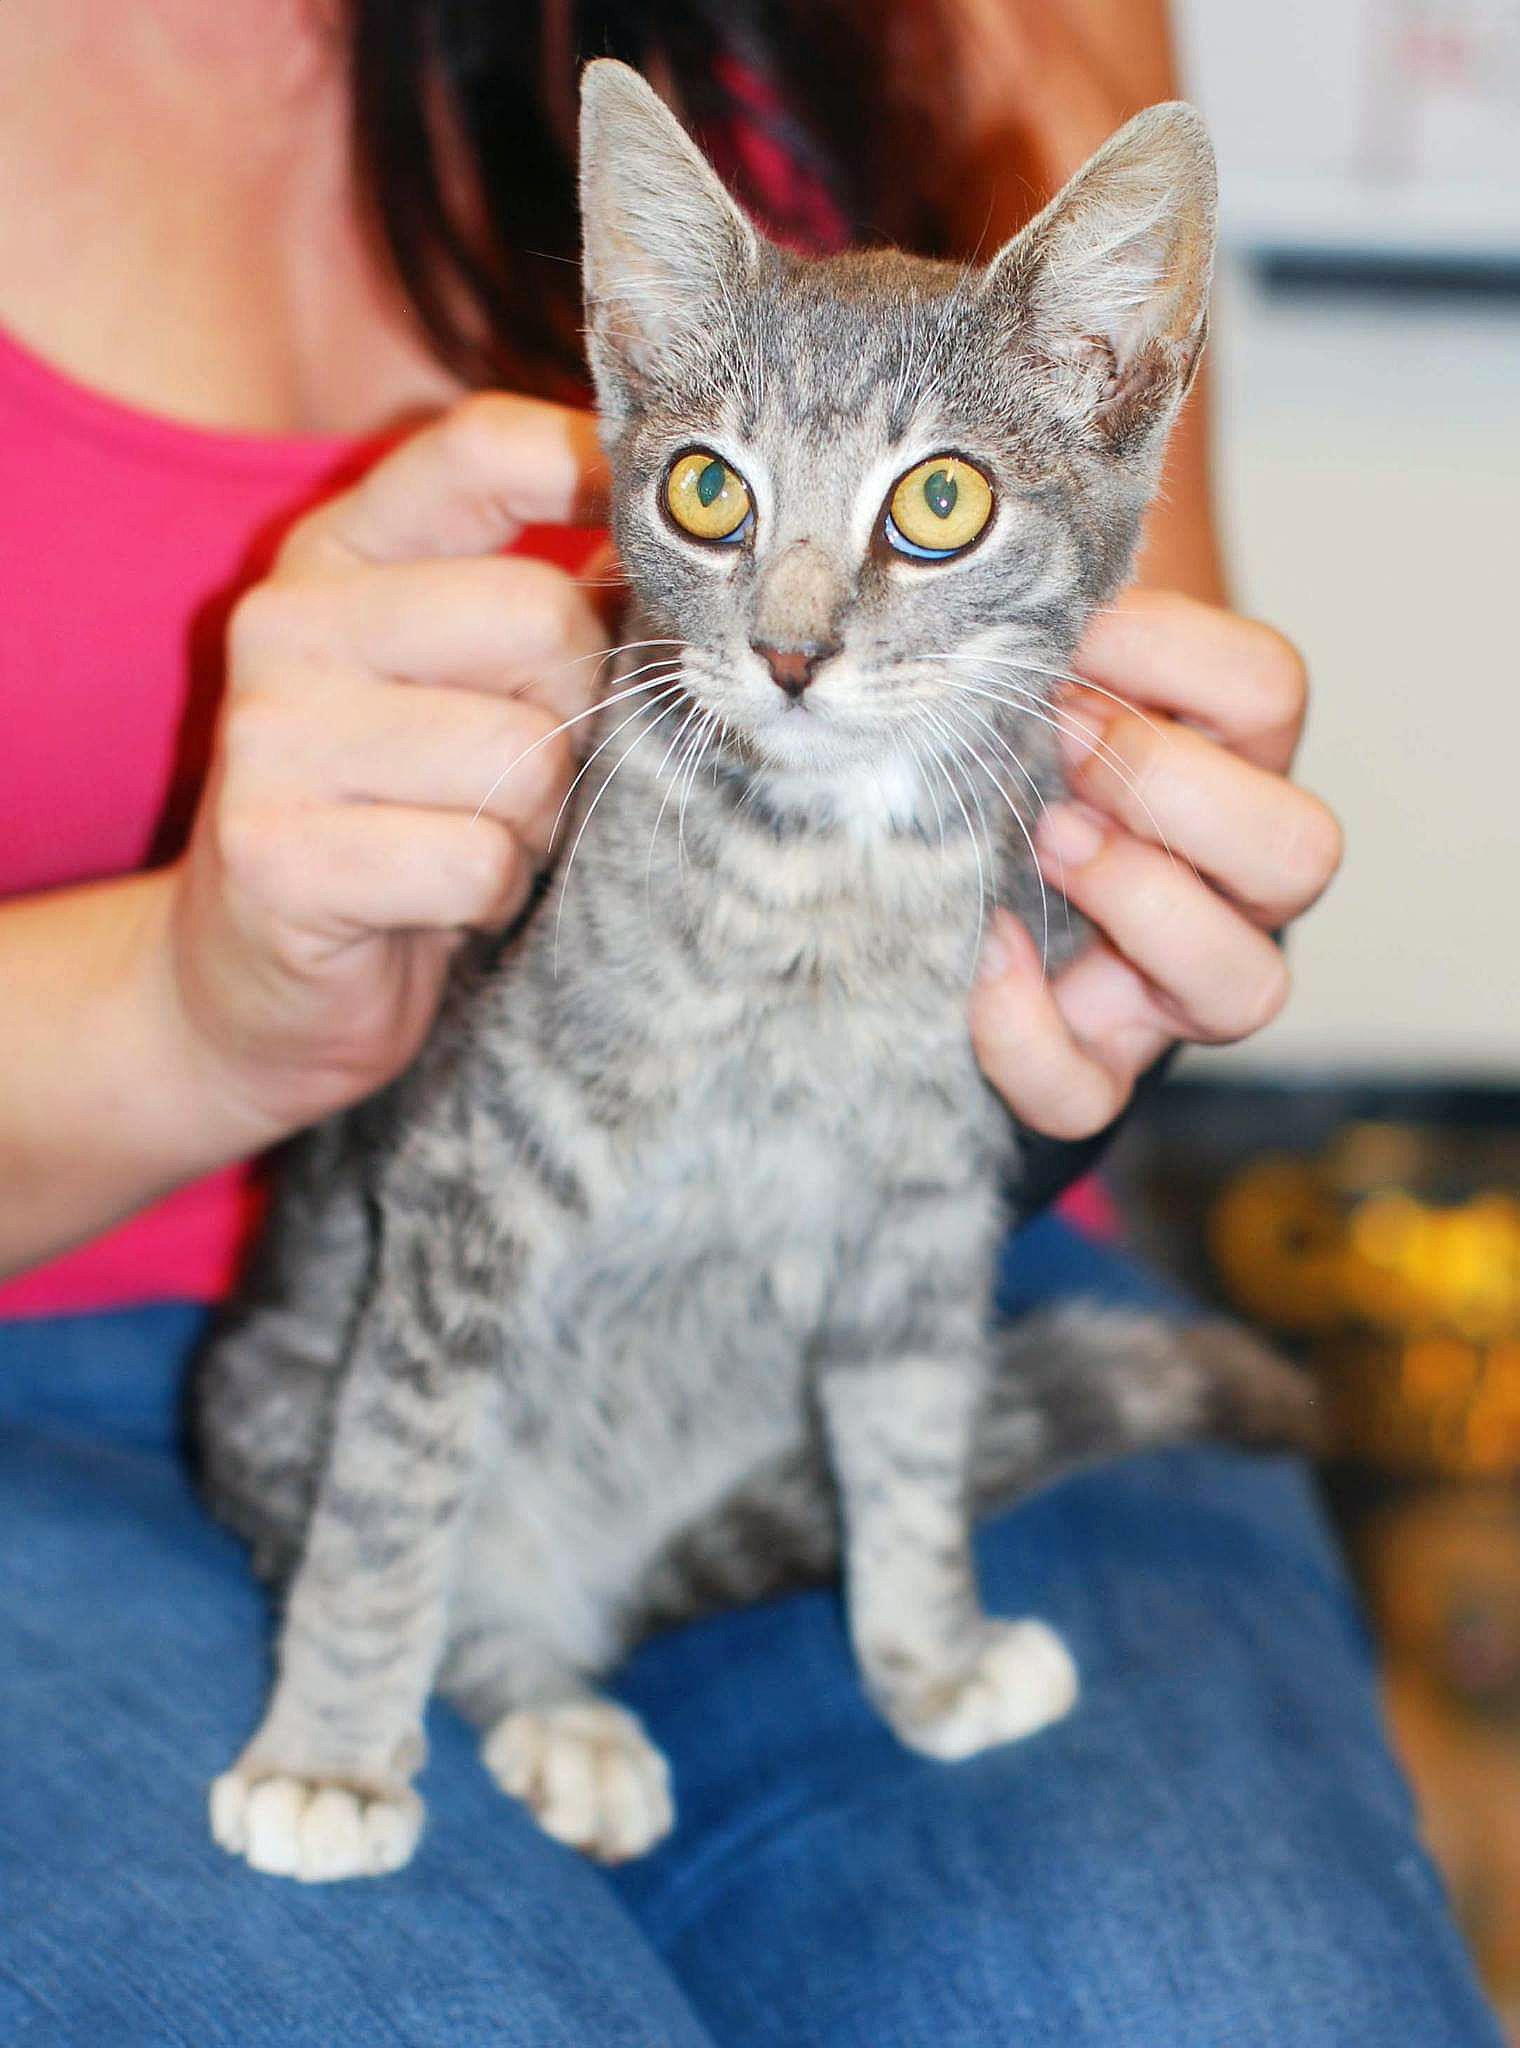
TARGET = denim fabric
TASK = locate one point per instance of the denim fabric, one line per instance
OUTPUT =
(1215, 1851)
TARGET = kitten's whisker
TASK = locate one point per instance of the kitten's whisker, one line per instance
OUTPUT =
(1028, 837)
(935, 761)
(976, 851)
(981, 812)
(607, 782)
(962, 753)
(679, 781)
(704, 733)
(622, 647)
(1061, 675)
(670, 689)
(963, 757)
(579, 718)
(1014, 762)
(685, 772)
(930, 790)
(1039, 797)
(1034, 705)
(962, 689)
(1031, 705)
(694, 711)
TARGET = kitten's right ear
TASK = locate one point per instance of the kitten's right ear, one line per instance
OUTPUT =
(661, 239)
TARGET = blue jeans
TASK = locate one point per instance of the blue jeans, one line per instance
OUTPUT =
(1215, 1851)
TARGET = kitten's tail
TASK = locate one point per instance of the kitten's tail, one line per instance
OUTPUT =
(1075, 1386)
(1080, 1385)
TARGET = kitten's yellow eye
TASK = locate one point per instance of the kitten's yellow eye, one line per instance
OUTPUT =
(705, 497)
(938, 508)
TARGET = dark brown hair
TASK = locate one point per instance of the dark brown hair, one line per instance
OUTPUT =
(465, 120)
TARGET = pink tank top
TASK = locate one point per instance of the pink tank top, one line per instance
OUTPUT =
(124, 541)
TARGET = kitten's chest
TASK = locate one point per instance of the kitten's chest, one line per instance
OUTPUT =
(742, 1059)
(804, 1091)
(763, 1166)
(787, 1019)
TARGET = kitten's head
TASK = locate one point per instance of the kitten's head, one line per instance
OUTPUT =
(852, 486)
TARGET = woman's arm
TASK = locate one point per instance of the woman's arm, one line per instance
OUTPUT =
(1187, 844)
(106, 1100)
(1042, 84)
(157, 1027)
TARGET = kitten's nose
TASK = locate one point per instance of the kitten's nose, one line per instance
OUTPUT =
(792, 668)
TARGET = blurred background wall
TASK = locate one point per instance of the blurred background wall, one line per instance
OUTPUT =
(1330, 1179)
(1369, 443)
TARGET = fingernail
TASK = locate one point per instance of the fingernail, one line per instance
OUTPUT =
(1069, 835)
(1007, 949)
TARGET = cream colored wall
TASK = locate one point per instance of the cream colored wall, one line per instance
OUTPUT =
(1370, 461)
(1370, 467)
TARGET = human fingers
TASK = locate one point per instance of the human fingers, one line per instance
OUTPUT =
(466, 485)
(1220, 975)
(1055, 1081)
(1235, 677)
(1269, 845)
(507, 625)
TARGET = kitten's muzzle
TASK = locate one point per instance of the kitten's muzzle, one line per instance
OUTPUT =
(793, 668)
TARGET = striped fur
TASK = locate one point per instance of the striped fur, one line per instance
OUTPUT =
(671, 1258)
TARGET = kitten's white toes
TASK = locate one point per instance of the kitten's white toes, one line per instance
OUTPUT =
(588, 1773)
(316, 1832)
(229, 1812)
(1023, 1680)
(274, 1826)
(637, 1809)
(333, 1837)
(569, 1807)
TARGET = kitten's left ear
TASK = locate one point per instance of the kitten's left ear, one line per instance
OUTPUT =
(1110, 284)
(661, 240)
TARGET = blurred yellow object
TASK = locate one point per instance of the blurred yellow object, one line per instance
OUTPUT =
(1413, 1303)
(1442, 1573)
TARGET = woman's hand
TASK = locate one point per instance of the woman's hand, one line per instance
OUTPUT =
(380, 682)
(362, 810)
(1185, 844)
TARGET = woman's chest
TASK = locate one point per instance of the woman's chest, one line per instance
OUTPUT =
(199, 175)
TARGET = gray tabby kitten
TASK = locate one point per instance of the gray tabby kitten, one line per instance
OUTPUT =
(663, 1278)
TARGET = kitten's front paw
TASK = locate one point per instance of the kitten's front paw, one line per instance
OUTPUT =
(588, 1773)
(312, 1830)
(1023, 1679)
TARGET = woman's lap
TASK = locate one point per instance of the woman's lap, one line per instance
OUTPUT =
(134, 1672)
(1214, 1848)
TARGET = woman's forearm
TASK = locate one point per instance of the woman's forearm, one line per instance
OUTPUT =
(155, 1028)
(1181, 549)
(107, 1099)
(1042, 84)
